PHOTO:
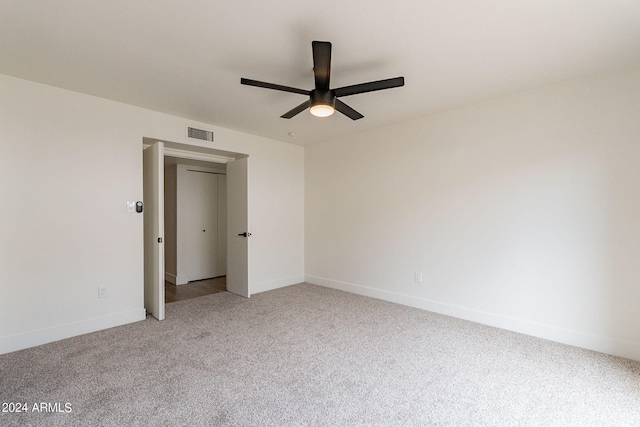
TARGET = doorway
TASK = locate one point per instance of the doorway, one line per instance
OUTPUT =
(195, 220)
(237, 208)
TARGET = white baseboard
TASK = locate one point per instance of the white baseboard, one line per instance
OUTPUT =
(256, 288)
(606, 345)
(44, 336)
(171, 278)
(175, 280)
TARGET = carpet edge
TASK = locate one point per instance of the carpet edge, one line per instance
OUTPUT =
(607, 345)
(44, 336)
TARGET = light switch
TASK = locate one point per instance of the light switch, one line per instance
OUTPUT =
(131, 206)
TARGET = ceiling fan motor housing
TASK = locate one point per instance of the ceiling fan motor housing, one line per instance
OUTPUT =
(323, 97)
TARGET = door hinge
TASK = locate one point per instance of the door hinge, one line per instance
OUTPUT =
(159, 239)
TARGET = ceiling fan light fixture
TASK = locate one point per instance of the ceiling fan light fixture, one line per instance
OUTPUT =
(322, 110)
(323, 103)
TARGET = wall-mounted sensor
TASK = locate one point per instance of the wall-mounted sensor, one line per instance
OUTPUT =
(138, 207)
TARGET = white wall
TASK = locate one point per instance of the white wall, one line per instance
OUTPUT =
(522, 212)
(68, 164)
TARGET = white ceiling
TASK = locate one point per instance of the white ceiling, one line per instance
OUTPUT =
(186, 57)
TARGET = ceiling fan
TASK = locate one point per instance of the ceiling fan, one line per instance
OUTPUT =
(323, 101)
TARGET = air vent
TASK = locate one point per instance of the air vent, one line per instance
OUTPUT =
(201, 134)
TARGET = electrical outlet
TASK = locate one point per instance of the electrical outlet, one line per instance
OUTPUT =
(417, 277)
(103, 292)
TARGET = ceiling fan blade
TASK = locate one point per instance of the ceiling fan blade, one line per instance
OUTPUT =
(321, 64)
(273, 86)
(296, 110)
(369, 87)
(347, 111)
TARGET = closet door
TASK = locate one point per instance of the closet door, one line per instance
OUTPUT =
(199, 209)
(238, 227)
(153, 211)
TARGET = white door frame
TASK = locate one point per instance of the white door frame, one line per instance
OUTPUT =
(192, 152)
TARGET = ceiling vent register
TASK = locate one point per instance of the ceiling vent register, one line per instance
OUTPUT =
(200, 134)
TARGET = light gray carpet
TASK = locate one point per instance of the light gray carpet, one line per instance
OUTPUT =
(307, 355)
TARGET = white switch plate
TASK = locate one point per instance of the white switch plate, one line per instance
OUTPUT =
(103, 292)
(417, 277)
(131, 206)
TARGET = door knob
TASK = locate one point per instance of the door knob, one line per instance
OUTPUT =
(245, 234)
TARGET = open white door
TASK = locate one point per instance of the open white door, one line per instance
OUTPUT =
(238, 227)
(153, 197)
